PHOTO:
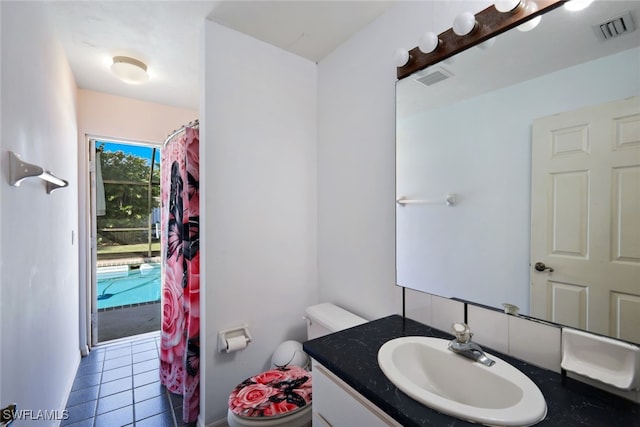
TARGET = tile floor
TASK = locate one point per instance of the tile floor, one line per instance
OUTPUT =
(118, 384)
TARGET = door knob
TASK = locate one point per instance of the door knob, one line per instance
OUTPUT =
(539, 266)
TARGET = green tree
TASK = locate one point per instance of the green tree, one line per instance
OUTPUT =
(126, 187)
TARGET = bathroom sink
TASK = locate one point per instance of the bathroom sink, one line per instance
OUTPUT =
(426, 370)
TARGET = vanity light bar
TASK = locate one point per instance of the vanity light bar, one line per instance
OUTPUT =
(489, 23)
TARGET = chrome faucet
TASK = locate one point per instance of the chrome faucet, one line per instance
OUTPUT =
(462, 344)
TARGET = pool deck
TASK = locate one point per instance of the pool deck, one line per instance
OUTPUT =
(124, 322)
(128, 261)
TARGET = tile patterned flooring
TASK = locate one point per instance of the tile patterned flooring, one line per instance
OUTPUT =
(118, 384)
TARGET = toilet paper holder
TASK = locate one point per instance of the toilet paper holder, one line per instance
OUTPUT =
(232, 333)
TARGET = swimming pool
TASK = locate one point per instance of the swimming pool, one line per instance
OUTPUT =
(123, 286)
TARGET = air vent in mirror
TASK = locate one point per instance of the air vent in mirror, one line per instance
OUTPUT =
(616, 27)
(433, 76)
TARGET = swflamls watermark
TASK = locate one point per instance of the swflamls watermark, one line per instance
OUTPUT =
(34, 414)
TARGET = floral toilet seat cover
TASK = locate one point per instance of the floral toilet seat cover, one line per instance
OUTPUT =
(273, 393)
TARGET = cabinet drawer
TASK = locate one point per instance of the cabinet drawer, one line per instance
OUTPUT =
(336, 404)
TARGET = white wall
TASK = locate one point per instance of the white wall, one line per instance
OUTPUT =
(258, 171)
(102, 114)
(1, 191)
(356, 156)
(39, 263)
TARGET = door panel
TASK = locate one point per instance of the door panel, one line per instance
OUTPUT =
(625, 316)
(625, 242)
(568, 304)
(570, 213)
(570, 141)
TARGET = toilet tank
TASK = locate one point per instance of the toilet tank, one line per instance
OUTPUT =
(325, 318)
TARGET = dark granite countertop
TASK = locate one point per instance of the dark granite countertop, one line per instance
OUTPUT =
(352, 355)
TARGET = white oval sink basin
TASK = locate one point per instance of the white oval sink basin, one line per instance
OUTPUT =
(426, 370)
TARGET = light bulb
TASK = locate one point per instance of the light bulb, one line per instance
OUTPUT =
(401, 57)
(487, 44)
(428, 42)
(530, 25)
(464, 23)
(505, 6)
(575, 5)
(530, 8)
(450, 60)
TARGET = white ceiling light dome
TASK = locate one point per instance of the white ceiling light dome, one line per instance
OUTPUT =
(129, 70)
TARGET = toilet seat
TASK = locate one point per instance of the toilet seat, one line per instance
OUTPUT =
(322, 319)
(277, 393)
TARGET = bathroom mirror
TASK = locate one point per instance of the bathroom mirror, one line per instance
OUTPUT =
(463, 161)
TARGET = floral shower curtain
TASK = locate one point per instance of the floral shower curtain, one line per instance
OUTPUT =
(180, 332)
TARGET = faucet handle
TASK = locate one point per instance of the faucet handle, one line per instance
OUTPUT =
(461, 331)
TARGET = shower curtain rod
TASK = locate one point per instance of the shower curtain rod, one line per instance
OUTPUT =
(192, 124)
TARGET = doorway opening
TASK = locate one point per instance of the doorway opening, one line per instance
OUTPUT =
(125, 290)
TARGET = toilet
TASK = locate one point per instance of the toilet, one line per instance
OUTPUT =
(282, 395)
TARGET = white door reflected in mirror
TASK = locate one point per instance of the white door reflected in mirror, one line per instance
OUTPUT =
(585, 218)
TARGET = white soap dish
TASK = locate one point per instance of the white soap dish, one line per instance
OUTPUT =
(603, 359)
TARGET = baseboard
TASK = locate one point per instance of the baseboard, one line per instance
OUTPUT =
(63, 404)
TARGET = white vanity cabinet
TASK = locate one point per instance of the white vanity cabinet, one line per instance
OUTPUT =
(336, 404)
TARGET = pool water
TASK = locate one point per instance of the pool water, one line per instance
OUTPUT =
(126, 287)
